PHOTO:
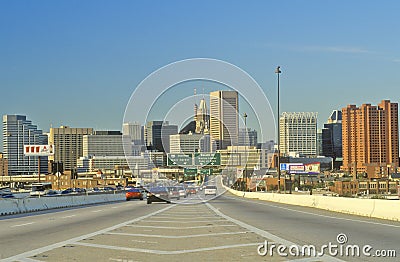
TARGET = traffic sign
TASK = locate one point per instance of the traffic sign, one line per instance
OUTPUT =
(206, 171)
(190, 171)
(207, 159)
(179, 159)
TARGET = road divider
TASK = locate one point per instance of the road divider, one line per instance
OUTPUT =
(377, 208)
(9, 206)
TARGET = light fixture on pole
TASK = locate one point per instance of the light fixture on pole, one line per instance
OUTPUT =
(278, 72)
(245, 151)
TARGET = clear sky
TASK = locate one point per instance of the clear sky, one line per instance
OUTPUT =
(76, 62)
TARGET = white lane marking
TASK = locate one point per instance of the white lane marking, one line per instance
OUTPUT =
(95, 211)
(21, 225)
(69, 216)
(27, 259)
(313, 214)
(76, 239)
(185, 218)
(163, 227)
(266, 234)
(117, 207)
(143, 241)
(183, 222)
(161, 252)
(178, 237)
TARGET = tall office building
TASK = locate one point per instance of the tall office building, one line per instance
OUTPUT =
(298, 133)
(104, 143)
(185, 143)
(202, 118)
(224, 118)
(68, 144)
(332, 136)
(17, 132)
(370, 139)
(247, 137)
(134, 131)
(157, 135)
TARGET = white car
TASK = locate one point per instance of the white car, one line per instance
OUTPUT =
(210, 190)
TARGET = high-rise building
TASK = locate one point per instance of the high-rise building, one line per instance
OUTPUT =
(298, 133)
(247, 137)
(68, 144)
(332, 136)
(202, 118)
(370, 139)
(104, 143)
(134, 131)
(185, 143)
(157, 135)
(17, 132)
(224, 118)
(3, 165)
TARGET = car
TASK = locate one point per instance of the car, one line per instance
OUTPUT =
(173, 192)
(158, 194)
(192, 190)
(210, 190)
(182, 192)
(67, 191)
(134, 193)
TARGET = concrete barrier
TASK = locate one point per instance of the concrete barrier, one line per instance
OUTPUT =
(377, 208)
(9, 206)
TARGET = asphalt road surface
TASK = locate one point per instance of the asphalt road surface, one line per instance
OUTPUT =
(226, 228)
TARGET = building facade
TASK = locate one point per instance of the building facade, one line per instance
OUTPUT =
(134, 131)
(104, 143)
(68, 144)
(298, 133)
(3, 166)
(370, 139)
(332, 136)
(224, 118)
(157, 135)
(185, 143)
(247, 137)
(17, 132)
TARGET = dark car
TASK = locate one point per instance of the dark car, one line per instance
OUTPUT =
(134, 193)
(158, 194)
(67, 191)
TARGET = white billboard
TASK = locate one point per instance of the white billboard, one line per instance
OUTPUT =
(38, 150)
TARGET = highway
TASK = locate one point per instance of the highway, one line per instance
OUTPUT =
(227, 228)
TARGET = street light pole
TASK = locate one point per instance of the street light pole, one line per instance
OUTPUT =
(278, 72)
(245, 152)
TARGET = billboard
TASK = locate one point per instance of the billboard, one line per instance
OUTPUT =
(38, 150)
(312, 168)
(296, 168)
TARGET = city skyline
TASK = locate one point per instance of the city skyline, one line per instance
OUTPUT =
(328, 58)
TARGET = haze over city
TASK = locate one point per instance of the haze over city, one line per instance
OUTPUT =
(64, 63)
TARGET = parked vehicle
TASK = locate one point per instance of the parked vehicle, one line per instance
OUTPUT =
(40, 189)
(5, 192)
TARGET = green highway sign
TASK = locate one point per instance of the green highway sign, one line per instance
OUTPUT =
(206, 171)
(190, 171)
(179, 159)
(207, 159)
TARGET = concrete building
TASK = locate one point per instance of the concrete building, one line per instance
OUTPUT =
(109, 163)
(202, 118)
(3, 166)
(298, 133)
(370, 139)
(104, 143)
(247, 137)
(240, 157)
(17, 132)
(157, 135)
(68, 144)
(185, 143)
(224, 118)
(134, 131)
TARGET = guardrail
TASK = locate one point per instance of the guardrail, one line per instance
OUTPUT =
(10, 206)
(377, 208)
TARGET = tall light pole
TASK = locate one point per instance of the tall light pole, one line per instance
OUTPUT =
(278, 72)
(245, 151)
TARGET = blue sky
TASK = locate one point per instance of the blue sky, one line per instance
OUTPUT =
(76, 63)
